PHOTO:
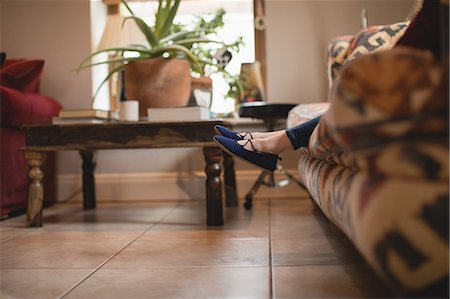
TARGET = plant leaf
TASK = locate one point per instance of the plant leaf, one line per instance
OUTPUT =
(117, 69)
(178, 35)
(119, 49)
(145, 29)
(164, 17)
(127, 7)
(121, 60)
(197, 40)
(169, 19)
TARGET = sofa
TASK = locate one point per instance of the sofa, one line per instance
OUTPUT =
(22, 104)
(377, 162)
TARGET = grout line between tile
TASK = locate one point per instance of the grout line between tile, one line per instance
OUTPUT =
(15, 236)
(191, 266)
(114, 255)
(271, 282)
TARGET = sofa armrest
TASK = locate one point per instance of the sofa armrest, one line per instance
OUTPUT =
(305, 112)
(24, 108)
(392, 103)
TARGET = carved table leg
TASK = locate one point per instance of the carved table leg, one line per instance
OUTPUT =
(214, 214)
(88, 180)
(230, 181)
(35, 188)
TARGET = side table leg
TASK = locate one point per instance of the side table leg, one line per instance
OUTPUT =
(88, 166)
(35, 161)
(230, 181)
(214, 213)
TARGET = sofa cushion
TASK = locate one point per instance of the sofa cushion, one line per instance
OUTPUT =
(375, 39)
(24, 108)
(22, 74)
(337, 55)
(378, 166)
(305, 112)
(383, 98)
(343, 49)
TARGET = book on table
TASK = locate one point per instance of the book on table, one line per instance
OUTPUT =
(83, 113)
(78, 120)
(189, 113)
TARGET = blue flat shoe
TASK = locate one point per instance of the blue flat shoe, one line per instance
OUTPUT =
(260, 159)
(224, 131)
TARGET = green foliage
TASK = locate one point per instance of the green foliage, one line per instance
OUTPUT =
(208, 27)
(168, 39)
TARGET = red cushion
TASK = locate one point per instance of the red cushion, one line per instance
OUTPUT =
(22, 74)
(13, 171)
(23, 108)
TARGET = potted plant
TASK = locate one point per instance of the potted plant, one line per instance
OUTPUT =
(158, 73)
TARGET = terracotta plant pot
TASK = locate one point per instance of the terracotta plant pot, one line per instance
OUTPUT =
(158, 83)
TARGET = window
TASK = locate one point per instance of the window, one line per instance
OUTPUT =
(238, 21)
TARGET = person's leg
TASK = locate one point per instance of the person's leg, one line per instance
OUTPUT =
(274, 144)
(299, 135)
(259, 135)
(224, 131)
(279, 141)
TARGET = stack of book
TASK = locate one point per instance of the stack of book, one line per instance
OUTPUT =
(70, 116)
(190, 113)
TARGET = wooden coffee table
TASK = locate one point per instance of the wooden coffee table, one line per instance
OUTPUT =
(88, 138)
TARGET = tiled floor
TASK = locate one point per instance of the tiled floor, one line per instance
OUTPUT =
(283, 248)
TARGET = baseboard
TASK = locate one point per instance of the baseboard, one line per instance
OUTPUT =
(163, 186)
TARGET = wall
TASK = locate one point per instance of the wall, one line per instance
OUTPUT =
(56, 31)
(60, 32)
(297, 36)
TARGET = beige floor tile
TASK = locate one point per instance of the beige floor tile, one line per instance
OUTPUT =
(326, 281)
(300, 221)
(133, 213)
(258, 212)
(94, 232)
(291, 208)
(238, 223)
(7, 233)
(56, 253)
(176, 255)
(194, 213)
(313, 251)
(38, 283)
(237, 229)
(303, 227)
(174, 283)
(193, 252)
(298, 201)
(14, 222)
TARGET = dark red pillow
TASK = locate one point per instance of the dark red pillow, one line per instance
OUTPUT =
(22, 74)
(26, 108)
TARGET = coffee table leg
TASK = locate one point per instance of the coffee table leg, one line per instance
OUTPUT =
(214, 214)
(88, 166)
(230, 181)
(35, 161)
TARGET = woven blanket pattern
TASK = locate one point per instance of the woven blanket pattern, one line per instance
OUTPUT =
(377, 165)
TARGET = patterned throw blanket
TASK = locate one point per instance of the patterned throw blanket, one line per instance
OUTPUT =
(377, 163)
